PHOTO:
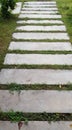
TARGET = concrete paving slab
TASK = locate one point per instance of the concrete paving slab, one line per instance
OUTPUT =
(38, 6)
(38, 59)
(41, 28)
(18, 8)
(39, 16)
(37, 101)
(39, 12)
(36, 76)
(31, 46)
(37, 125)
(40, 22)
(39, 9)
(39, 2)
(40, 36)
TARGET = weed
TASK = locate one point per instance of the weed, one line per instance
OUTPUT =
(19, 116)
(14, 87)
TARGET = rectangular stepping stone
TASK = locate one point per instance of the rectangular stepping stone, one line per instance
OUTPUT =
(39, 16)
(39, 12)
(40, 36)
(43, 9)
(41, 28)
(38, 59)
(31, 46)
(36, 76)
(37, 101)
(37, 125)
(38, 6)
(40, 22)
(39, 2)
(18, 8)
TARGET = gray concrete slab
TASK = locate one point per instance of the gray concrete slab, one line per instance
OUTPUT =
(38, 59)
(41, 28)
(37, 125)
(40, 22)
(40, 36)
(31, 46)
(39, 2)
(35, 76)
(38, 6)
(39, 9)
(39, 12)
(39, 16)
(46, 9)
(37, 101)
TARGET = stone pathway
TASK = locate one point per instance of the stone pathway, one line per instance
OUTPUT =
(39, 29)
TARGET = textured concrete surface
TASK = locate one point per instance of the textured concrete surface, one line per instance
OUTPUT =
(40, 46)
(38, 59)
(39, 9)
(40, 36)
(36, 101)
(18, 8)
(39, 12)
(41, 28)
(41, 21)
(39, 2)
(40, 6)
(37, 125)
(39, 16)
(35, 76)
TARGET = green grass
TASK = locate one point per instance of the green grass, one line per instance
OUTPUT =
(35, 31)
(17, 87)
(36, 40)
(19, 116)
(39, 24)
(25, 66)
(39, 52)
(7, 27)
(65, 8)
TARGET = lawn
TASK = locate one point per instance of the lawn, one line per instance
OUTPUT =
(65, 8)
(6, 29)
